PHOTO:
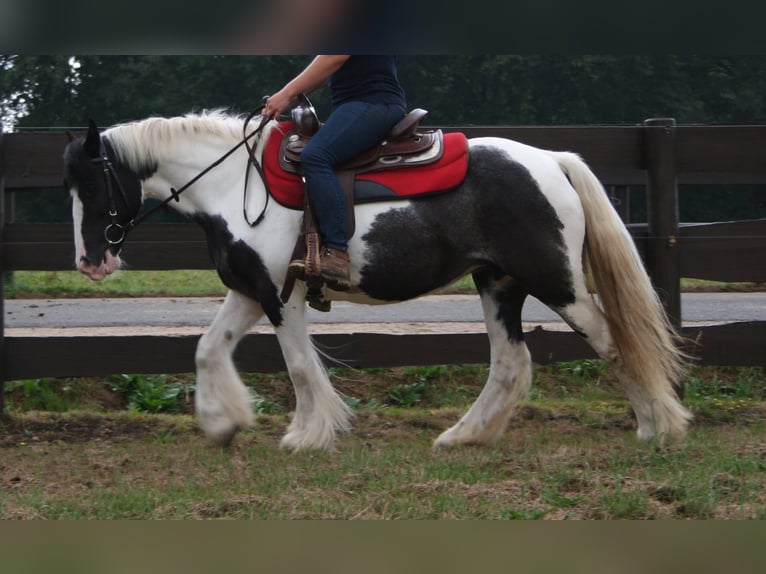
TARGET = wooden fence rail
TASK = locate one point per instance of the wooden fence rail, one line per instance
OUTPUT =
(657, 153)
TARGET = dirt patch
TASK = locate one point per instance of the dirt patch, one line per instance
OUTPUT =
(77, 427)
(40, 427)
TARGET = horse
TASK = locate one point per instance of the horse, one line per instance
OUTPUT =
(522, 221)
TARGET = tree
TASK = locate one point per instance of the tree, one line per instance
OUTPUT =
(64, 91)
(457, 90)
(112, 89)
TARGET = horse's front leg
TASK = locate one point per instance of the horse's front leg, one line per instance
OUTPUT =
(222, 401)
(510, 372)
(319, 410)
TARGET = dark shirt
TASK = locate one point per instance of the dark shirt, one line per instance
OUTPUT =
(371, 79)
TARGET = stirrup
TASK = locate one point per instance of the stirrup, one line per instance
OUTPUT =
(297, 269)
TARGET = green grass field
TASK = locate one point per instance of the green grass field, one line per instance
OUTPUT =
(121, 284)
(105, 449)
(127, 446)
(131, 284)
(126, 283)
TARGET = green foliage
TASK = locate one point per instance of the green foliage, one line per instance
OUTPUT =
(150, 393)
(580, 369)
(263, 406)
(437, 386)
(357, 404)
(112, 89)
(746, 383)
(426, 373)
(407, 395)
(456, 89)
(40, 394)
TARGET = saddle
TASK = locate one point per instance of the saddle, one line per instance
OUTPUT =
(404, 146)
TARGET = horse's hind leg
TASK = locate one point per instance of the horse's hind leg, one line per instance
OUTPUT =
(655, 404)
(222, 402)
(510, 373)
(320, 413)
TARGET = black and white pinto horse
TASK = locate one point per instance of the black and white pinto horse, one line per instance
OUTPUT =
(525, 221)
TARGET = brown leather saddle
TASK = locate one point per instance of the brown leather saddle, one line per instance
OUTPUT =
(405, 146)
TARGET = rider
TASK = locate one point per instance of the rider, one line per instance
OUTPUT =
(367, 101)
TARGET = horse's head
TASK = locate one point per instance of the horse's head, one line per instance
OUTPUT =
(106, 196)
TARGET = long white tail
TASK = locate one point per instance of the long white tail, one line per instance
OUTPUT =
(643, 336)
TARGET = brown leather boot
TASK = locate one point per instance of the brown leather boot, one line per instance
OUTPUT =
(334, 269)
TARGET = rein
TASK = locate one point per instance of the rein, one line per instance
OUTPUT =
(115, 232)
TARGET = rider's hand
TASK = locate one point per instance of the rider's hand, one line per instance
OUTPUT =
(278, 103)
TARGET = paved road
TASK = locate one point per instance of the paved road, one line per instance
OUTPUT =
(199, 311)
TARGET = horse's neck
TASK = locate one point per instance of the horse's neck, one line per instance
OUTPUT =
(181, 150)
(189, 162)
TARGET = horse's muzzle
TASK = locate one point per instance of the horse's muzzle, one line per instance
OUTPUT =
(108, 265)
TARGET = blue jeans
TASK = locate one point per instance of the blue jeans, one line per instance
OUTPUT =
(352, 128)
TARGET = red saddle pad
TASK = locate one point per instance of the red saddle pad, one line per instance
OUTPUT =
(398, 183)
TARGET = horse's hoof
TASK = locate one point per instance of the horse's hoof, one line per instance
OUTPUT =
(293, 443)
(440, 445)
(225, 437)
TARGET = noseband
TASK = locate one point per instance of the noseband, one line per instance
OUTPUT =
(115, 232)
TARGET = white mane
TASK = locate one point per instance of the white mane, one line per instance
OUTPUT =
(147, 142)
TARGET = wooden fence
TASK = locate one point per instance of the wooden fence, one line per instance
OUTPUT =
(657, 153)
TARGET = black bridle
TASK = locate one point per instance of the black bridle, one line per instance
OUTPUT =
(111, 174)
(115, 232)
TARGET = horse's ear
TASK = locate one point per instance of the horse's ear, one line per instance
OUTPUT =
(70, 137)
(92, 140)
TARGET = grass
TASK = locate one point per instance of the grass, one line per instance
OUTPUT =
(126, 283)
(570, 453)
(379, 473)
(121, 284)
(127, 447)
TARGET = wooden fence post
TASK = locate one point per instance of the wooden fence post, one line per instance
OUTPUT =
(662, 253)
(2, 276)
